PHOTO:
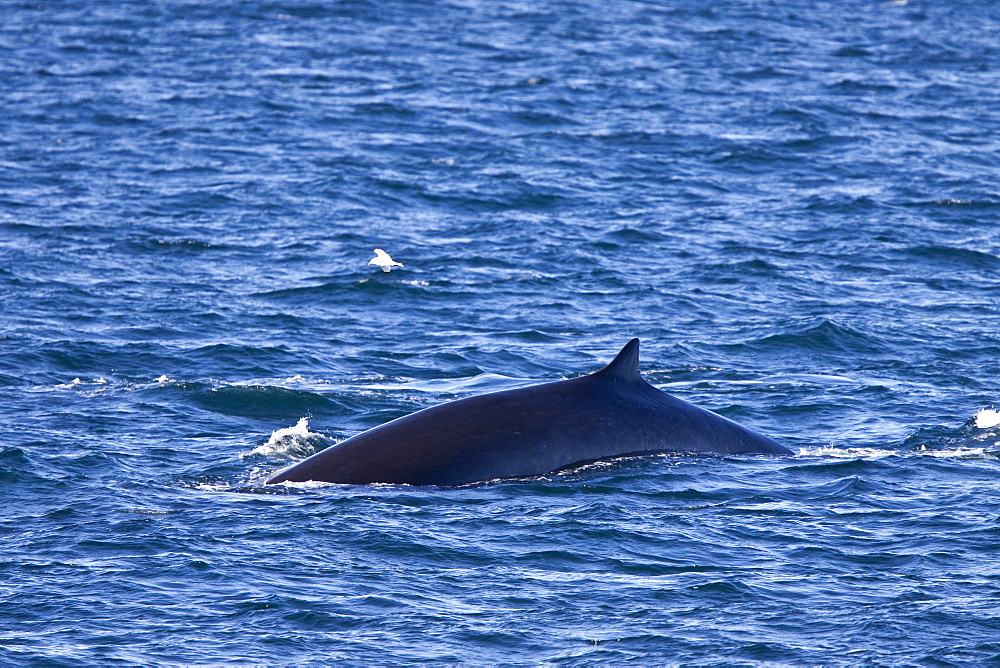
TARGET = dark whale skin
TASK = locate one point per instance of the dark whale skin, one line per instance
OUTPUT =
(531, 431)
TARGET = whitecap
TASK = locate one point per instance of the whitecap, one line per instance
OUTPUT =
(77, 382)
(294, 440)
(846, 453)
(957, 453)
(212, 487)
(834, 452)
(987, 418)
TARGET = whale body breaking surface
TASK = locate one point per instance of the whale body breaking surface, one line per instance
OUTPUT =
(531, 431)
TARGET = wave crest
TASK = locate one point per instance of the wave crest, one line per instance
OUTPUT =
(294, 441)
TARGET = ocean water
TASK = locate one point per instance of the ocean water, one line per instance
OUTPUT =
(794, 206)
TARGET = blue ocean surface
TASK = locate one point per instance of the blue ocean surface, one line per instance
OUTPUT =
(795, 207)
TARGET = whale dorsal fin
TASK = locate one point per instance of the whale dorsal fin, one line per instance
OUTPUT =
(625, 365)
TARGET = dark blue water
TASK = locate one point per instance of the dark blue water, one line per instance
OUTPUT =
(794, 206)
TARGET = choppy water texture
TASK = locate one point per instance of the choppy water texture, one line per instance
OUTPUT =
(793, 205)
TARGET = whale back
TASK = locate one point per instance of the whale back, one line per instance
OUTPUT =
(531, 431)
(625, 365)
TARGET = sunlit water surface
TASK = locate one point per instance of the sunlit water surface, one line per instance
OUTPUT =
(793, 206)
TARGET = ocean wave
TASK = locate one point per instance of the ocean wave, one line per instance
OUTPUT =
(296, 442)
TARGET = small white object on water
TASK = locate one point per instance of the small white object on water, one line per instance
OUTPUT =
(383, 260)
(987, 418)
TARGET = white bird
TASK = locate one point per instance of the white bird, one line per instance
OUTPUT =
(383, 260)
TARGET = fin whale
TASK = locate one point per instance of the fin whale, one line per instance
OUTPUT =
(531, 431)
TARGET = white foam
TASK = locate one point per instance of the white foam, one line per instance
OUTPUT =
(846, 453)
(278, 436)
(957, 453)
(77, 382)
(987, 418)
(212, 487)
(288, 440)
(878, 453)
